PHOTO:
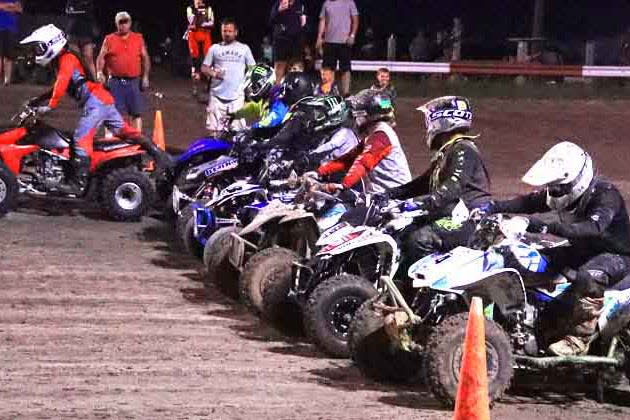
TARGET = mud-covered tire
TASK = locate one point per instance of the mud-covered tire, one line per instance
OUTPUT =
(185, 228)
(8, 190)
(219, 271)
(275, 276)
(126, 194)
(329, 311)
(442, 359)
(374, 353)
(254, 271)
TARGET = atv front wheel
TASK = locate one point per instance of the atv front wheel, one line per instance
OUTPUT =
(275, 277)
(8, 190)
(444, 356)
(185, 228)
(127, 194)
(330, 309)
(374, 352)
(255, 273)
(219, 271)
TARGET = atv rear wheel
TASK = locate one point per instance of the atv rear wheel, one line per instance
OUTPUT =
(255, 271)
(8, 190)
(443, 357)
(219, 271)
(275, 277)
(330, 309)
(373, 351)
(127, 194)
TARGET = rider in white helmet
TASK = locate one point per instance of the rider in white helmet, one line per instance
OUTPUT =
(592, 215)
(49, 45)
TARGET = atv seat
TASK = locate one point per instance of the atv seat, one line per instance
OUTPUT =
(107, 145)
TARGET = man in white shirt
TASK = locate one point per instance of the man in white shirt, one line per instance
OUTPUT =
(226, 64)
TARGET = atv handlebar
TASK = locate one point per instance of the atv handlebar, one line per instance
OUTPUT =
(27, 113)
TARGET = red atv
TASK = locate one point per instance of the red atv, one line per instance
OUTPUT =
(34, 159)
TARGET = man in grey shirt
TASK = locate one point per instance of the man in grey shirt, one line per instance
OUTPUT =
(226, 64)
(338, 26)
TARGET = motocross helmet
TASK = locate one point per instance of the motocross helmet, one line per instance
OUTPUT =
(258, 82)
(295, 86)
(47, 43)
(322, 113)
(566, 171)
(370, 106)
(445, 115)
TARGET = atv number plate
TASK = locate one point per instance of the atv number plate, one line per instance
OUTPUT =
(237, 251)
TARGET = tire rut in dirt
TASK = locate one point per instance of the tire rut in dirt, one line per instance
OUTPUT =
(136, 180)
(219, 272)
(330, 309)
(444, 345)
(373, 351)
(276, 280)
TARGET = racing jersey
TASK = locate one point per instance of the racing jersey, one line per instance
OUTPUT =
(456, 172)
(599, 223)
(200, 18)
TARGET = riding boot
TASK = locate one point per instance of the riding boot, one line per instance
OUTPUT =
(586, 312)
(163, 160)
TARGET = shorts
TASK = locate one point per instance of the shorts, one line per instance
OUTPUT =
(218, 110)
(83, 30)
(128, 98)
(337, 53)
(8, 43)
(287, 49)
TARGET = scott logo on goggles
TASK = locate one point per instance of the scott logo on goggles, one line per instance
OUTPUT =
(456, 113)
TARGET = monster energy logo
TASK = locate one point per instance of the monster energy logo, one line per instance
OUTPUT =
(260, 71)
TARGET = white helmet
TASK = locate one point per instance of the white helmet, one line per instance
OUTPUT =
(444, 115)
(48, 42)
(567, 172)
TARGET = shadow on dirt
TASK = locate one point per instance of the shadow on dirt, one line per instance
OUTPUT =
(58, 207)
(345, 377)
(161, 236)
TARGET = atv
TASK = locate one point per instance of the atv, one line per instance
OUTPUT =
(35, 160)
(397, 335)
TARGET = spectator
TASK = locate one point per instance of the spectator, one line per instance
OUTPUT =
(9, 9)
(287, 20)
(124, 58)
(368, 49)
(327, 85)
(383, 83)
(338, 26)
(226, 63)
(200, 23)
(82, 32)
(419, 47)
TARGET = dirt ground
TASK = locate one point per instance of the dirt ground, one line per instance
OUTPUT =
(109, 320)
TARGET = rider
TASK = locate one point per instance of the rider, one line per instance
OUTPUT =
(199, 34)
(264, 102)
(50, 46)
(379, 158)
(457, 172)
(593, 217)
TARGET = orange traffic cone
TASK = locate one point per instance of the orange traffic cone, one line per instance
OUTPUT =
(472, 401)
(158, 131)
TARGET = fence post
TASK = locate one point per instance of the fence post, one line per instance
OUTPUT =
(589, 53)
(457, 40)
(391, 48)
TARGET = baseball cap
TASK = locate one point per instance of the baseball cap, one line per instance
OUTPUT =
(122, 16)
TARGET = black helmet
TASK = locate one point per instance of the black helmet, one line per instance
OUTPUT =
(323, 112)
(295, 86)
(372, 105)
(258, 82)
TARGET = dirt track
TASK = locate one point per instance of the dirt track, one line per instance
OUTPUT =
(107, 320)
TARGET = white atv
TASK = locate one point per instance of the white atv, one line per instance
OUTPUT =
(396, 334)
(283, 226)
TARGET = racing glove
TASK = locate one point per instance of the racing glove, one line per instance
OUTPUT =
(41, 110)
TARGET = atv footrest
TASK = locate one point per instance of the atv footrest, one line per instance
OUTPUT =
(558, 361)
